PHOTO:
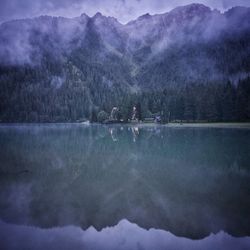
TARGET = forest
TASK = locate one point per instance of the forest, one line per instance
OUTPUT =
(27, 98)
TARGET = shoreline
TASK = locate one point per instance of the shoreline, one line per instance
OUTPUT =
(232, 125)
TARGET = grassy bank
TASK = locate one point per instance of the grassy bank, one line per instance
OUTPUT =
(212, 125)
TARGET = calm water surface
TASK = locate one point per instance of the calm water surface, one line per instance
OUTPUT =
(177, 182)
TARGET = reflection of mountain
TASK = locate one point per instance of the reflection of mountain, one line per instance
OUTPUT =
(190, 182)
(123, 236)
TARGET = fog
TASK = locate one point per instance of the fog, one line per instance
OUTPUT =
(26, 41)
(124, 10)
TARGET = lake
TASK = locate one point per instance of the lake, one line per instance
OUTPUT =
(75, 186)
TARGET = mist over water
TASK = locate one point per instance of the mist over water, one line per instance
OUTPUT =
(189, 182)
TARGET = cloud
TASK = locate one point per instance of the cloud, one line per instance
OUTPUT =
(123, 10)
(229, 3)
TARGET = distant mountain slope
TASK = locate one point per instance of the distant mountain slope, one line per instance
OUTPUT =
(93, 63)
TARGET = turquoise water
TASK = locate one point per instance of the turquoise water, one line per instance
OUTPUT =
(190, 182)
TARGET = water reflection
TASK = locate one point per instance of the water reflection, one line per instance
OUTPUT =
(123, 236)
(115, 132)
(135, 132)
(190, 182)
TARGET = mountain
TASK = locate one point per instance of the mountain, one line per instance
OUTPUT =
(55, 68)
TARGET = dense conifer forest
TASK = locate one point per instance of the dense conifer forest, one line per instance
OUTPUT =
(37, 101)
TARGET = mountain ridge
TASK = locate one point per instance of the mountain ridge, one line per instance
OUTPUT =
(102, 58)
(183, 7)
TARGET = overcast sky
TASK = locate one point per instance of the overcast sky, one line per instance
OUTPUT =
(123, 10)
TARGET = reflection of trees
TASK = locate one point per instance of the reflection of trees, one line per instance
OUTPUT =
(182, 180)
(113, 133)
(135, 132)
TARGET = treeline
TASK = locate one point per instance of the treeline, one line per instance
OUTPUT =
(28, 101)
(198, 102)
